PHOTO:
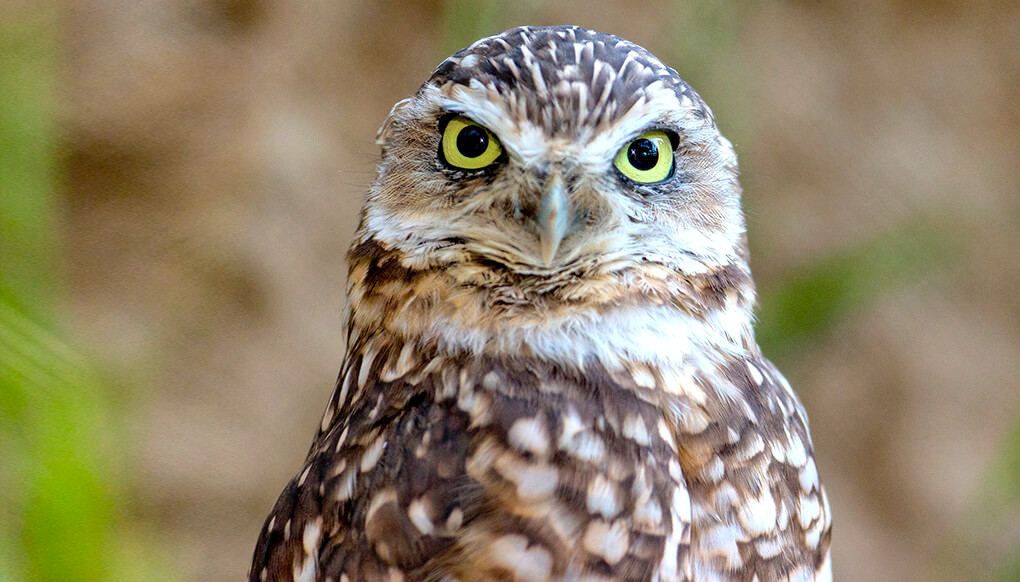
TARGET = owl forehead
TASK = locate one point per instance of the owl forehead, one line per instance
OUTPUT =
(565, 82)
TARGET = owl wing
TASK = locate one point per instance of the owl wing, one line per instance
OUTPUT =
(370, 498)
(759, 506)
(450, 469)
(811, 533)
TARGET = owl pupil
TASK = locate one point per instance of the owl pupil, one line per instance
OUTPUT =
(643, 154)
(472, 141)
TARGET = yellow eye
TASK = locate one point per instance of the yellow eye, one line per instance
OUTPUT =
(468, 146)
(647, 159)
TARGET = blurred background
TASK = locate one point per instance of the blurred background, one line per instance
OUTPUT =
(179, 180)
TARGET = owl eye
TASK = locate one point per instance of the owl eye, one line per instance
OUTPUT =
(647, 159)
(467, 145)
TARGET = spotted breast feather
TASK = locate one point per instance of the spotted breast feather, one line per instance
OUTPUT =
(449, 467)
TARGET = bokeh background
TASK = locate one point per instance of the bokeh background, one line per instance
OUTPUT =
(179, 180)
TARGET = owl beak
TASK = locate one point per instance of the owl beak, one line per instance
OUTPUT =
(553, 218)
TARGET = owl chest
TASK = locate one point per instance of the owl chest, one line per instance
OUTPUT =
(522, 470)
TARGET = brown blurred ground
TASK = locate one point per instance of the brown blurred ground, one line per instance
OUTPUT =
(216, 154)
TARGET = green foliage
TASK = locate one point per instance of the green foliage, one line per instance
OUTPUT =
(60, 506)
(55, 427)
(809, 303)
(465, 21)
(1006, 476)
(27, 161)
(1002, 501)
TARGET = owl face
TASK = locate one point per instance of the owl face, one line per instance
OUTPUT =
(556, 191)
(551, 150)
(547, 176)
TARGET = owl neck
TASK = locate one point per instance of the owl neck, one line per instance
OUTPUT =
(648, 315)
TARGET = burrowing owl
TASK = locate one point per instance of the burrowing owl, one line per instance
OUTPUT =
(551, 372)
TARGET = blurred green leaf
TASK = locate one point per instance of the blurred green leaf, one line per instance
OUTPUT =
(1006, 473)
(60, 479)
(465, 21)
(64, 495)
(1002, 502)
(27, 160)
(810, 302)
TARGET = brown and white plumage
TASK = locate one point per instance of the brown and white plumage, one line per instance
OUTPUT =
(551, 372)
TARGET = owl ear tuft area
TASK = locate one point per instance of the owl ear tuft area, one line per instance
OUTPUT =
(387, 127)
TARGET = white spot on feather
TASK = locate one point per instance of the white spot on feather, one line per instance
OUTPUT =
(769, 547)
(809, 475)
(402, 365)
(634, 428)
(602, 497)
(529, 434)
(756, 376)
(534, 481)
(371, 455)
(796, 453)
(454, 520)
(643, 376)
(648, 515)
(609, 541)
(808, 510)
(532, 564)
(692, 420)
(681, 505)
(418, 514)
(345, 489)
(586, 446)
(720, 542)
(758, 514)
(714, 469)
(753, 445)
(307, 570)
(366, 364)
(570, 426)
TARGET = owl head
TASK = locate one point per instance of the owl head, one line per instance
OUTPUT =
(550, 169)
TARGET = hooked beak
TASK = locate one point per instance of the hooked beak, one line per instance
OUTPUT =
(553, 217)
